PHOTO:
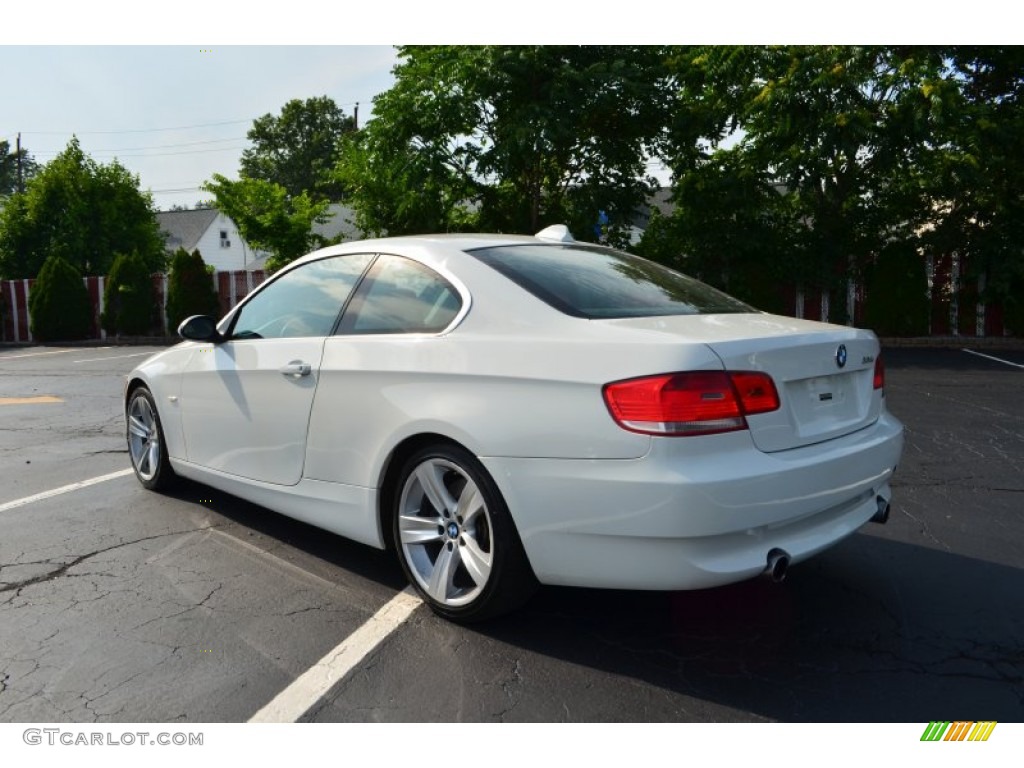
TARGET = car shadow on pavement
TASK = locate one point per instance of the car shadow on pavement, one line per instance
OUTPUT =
(871, 631)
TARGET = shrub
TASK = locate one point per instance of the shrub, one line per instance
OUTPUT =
(128, 300)
(59, 303)
(897, 293)
(189, 289)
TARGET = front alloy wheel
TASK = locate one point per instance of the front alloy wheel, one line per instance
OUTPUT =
(146, 441)
(455, 537)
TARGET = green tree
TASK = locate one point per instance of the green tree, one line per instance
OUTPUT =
(269, 218)
(509, 138)
(59, 302)
(128, 300)
(189, 289)
(840, 131)
(975, 166)
(299, 148)
(82, 211)
(9, 160)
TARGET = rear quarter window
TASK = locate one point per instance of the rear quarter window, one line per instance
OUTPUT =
(598, 283)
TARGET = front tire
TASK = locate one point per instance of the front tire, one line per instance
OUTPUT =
(146, 445)
(455, 537)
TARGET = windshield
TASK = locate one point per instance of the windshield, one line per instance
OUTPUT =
(597, 283)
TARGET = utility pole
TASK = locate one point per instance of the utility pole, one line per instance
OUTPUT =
(21, 185)
(355, 117)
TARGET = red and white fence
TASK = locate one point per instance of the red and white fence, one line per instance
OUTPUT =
(956, 310)
(231, 288)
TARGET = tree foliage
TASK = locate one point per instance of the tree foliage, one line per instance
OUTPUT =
(813, 161)
(508, 138)
(59, 302)
(82, 211)
(976, 170)
(9, 168)
(128, 298)
(299, 148)
(189, 289)
(269, 218)
(811, 150)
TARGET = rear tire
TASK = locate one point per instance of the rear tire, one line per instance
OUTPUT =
(146, 445)
(455, 538)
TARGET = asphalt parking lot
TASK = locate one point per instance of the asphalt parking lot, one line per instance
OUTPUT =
(117, 604)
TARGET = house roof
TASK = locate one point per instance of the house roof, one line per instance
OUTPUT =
(182, 229)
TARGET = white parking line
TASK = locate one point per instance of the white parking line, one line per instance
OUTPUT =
(36, 354)
(63, 489)
(112, 357)
(293, 702)
(989, 357)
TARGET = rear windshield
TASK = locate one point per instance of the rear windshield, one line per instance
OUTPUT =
(594, 282)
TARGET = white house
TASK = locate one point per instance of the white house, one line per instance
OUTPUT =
(212, 232)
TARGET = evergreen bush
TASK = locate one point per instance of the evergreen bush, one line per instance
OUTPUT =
(128, 300)
(59, 303)
(189, 289)
(897, 293)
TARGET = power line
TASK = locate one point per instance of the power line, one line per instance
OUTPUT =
(168, 146)
(140, 130)
(172, 128)
(118, 155)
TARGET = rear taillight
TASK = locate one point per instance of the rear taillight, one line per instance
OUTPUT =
(692, 403)
(879, 372)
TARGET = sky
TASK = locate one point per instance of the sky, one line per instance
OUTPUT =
(173, 115)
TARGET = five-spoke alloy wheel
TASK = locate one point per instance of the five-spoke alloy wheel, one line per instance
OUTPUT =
(146, 441)
(455, 537)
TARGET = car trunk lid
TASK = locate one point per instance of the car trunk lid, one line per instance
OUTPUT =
(824, 373)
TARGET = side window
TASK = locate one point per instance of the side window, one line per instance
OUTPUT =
(401, 296)
(303, 302)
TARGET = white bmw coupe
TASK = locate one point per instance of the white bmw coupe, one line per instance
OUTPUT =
(504, 411)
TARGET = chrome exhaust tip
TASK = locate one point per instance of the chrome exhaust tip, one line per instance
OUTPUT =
(778, 565)
(882, 513)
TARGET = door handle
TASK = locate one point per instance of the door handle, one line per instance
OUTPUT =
(296, 368)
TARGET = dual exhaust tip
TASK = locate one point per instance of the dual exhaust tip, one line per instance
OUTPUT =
(778, 559)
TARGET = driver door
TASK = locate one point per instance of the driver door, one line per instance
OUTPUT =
(245, 402)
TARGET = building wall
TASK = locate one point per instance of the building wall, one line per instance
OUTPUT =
(235, 256)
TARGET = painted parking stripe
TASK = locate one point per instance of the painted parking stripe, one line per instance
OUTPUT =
(295, 700)
(63, 489)
(29, 400)
(112, 357)
(36, 354)
(990, 357)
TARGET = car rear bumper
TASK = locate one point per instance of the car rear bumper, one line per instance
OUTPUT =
(694, 512)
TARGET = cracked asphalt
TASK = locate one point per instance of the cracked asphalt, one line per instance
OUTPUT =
(121, 605)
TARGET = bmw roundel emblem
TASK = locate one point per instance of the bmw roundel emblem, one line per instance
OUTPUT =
(841, 356)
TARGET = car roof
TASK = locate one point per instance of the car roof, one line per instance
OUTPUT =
(454, 241)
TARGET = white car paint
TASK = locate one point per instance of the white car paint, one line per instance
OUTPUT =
(519, 385)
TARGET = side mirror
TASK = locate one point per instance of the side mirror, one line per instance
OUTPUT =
(200, 328)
